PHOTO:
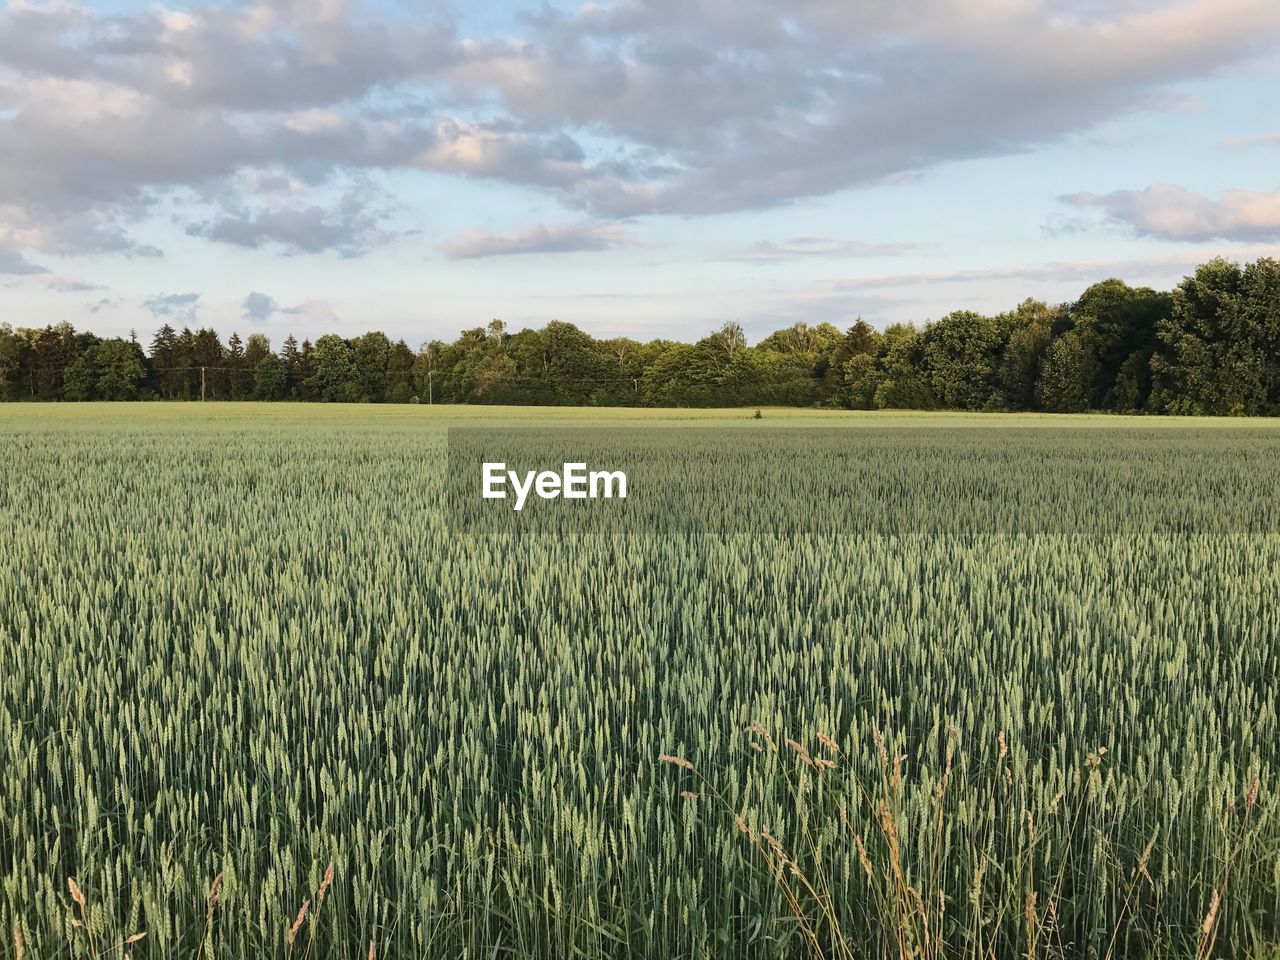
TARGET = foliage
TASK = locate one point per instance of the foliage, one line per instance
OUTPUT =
(1211, 347)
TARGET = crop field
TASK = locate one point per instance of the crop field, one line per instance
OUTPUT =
(879, 686)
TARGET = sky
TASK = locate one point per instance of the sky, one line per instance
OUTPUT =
(648, 168)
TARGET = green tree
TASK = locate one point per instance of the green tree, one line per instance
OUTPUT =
(1212, 359)
(186, 377)
(80, 379)
(108, 370)
(334, 378)
(49, 352)
(902, 360)
(962, 354)
(859, 340)
(291, 357)
(1031, 332)
(238, 369)
(572, 362)
(862, 379)
(209, 354)
(1067, 377)
(271, 379)
(802, 338)
(729, 339)
(622, 365)
(425, 368)
(676, 377)
(256, 349)
(11, 350)
(1261, 318)
(400, 385)
(302, 380)
(121, 371)
(1123, 324)
(760, 377)
(165, 358)
(370, 354)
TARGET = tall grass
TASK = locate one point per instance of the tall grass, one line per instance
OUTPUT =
(940, 880)
(247, 666)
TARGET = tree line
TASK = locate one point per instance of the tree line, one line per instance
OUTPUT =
(1210, 346)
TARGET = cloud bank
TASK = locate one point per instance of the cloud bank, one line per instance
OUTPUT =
(1170, 212)
(255, 117)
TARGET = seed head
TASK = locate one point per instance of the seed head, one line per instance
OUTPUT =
(677, 761)
(800, 749)
(884, 754)
(215, 890)
(297, 923)
(1144, 860)
(863, 858)
(1212, 915)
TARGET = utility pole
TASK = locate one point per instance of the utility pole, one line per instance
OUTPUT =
(431, 392)
(202, 384)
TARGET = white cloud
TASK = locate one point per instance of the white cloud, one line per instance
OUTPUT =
(618, 109)
(1254, 140)
(65, 285)
(751, 103)
(261, 308)
(179, 307)
(350, 226)
(795, 248)
(541, 238)
(1170, 212)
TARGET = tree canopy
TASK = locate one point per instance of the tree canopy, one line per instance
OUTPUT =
(1210, 346)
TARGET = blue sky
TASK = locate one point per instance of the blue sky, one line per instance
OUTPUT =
(640, 168)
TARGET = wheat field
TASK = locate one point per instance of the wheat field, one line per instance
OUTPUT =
(962, 686)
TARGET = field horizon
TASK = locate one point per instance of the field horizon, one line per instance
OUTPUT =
(446, 415)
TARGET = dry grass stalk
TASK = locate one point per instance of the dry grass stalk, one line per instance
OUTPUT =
(1030, 914)
(215, 890)
(676, 761)
(211, 903)
(1205, 947)
(297, 923)
(801, 750)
